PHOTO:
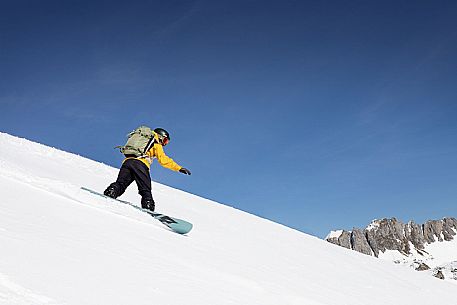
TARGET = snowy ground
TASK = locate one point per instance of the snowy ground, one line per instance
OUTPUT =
(59, 245)
(439, 256)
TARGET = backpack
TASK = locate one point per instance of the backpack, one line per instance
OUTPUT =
(139, 142)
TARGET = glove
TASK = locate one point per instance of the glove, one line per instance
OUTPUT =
(185, 171)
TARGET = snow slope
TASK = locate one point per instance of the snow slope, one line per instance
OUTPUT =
(439, 256)
(59, 245)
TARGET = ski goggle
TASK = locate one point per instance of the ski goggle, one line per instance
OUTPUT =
(165, 141)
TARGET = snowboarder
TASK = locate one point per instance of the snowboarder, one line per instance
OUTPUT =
(136, 168)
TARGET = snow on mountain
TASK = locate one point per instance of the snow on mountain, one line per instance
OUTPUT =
(60, 245)
(435, 258)
(334, 234)
(430, 248)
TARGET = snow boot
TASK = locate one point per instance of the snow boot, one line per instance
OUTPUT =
(148, 204)
(111, 191)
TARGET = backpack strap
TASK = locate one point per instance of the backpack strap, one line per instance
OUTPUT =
(149, 145)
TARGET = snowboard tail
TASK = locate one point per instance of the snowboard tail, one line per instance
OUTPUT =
(175, 224)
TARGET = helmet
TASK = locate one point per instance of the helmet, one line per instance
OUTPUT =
(164, 136)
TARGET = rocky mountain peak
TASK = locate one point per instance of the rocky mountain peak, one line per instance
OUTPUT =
(391, 234)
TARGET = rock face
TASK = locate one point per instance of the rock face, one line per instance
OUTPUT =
(415, 234)
(344, 240)
(441, 229)
(359, 242)
(391, 234)
(387, 234)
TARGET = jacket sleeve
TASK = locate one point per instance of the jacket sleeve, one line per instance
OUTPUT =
(163, 159)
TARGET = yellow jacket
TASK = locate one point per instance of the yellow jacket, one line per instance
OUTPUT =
(156, 152)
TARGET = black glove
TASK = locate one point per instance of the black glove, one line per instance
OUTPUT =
(185, 171)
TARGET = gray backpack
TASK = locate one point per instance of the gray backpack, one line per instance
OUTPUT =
(139, 142)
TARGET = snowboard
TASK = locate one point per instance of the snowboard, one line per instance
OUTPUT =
(175, 224)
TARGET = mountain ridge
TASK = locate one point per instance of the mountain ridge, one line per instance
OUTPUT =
(411, 240)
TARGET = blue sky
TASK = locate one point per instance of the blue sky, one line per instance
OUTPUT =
(316, 114)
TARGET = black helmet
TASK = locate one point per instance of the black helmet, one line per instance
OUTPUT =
(164, 136)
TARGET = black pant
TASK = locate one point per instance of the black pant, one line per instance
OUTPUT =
(134, 170)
